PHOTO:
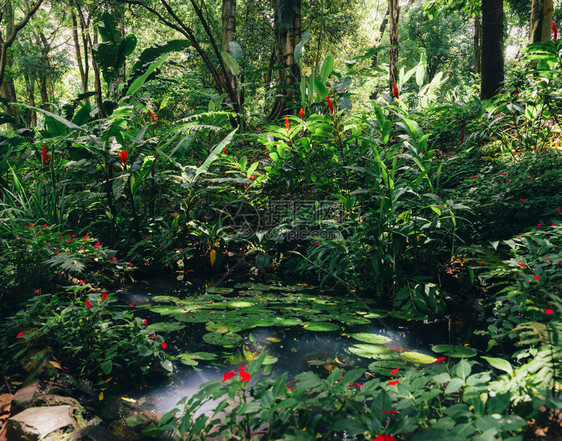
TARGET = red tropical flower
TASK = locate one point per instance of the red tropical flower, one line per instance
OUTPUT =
(224, 150)
(384, 437)
(390, 411)
(228, 376)
(537, 277)
(164, 345)
(104, 296)
(123, 156)
(88, 304)
(301, 113)
(440, 359)
(145, 321)
(393, 382)
(287, 122)
(547, 312)
(395, 90)
(245, 376)
(19, 335)
(554, 32)
(394, 371)
(330, 105)
(45, 155)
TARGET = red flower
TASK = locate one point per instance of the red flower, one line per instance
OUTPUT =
(537, 277)
(21, 333)
(384, 437)
(395, 90)
(131, 264)
(228, 376)
(393, 382)
(394, 371)
(287, 122)
(330, 105)
(145, 321)
(123, 155)
(245, 376)
(97, 245)
(440, 359)
(164, 345)
(104, 296)
(88, 304)
(389, 411)
(132, 305)
(301, 113)
(559, 210)
(554, 32)
(45, 155)
(224, 150)
(547, 312)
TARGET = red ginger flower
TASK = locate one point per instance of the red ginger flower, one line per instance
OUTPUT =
(393, 382)
(330, 105)
(164, 345)
(395, 90)
(384, 437)
(440, 359)
(547, 312)
(287, 122)
(394, 371)
(88, 304)
(123, 155)
(44, 154)
(301, 113)
(19, 335)
(554, 32)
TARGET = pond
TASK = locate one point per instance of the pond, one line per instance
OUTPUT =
(299, 327)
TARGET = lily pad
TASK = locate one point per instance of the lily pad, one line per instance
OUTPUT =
(371, 338)
(193, 317)
(219, 290)
(238, 304)
(163, 299)
(418, 357)
(287, 321)
(166, 310)
(216, 338)
(222, 328)
(320, 326)
(454, 351)
(166, 326)
(372, 351)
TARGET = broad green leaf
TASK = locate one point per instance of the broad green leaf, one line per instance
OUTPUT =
(300, 47)
(498, 363)
(231, 63)
(138, 83)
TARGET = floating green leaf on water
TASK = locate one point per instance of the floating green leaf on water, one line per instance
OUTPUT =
(454, 351)
(219, 290)
(163, 299)
(386, 366)
(238, 304)
(166, 326)
(371, 338)
(194, 318)
(222, 328)
(376, 315)
(218, 339)
(320, 326)
(166, 310)
(187, 359)
(287, 321)
(418, 357)
(372, 351)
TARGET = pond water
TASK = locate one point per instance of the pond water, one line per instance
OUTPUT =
(299, 328)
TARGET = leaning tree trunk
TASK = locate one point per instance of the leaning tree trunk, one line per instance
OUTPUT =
(492, 48)
(541, 20)
(287, 28)
(393, 20)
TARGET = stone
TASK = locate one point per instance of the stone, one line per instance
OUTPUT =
(36, 423)
(93, 433)
(59, 400)
(23, 398)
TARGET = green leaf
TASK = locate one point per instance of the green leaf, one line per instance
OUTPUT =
(106, 367)
(299, 47)
(498, 363)
(454, 351)
(152, 53)
(454, 386)
(137, 84)
(215, 154)
(371, 338)
(463, 369)
(235, 50)
(418, 357)
(167, 365)
(326, 70)
(231, 63)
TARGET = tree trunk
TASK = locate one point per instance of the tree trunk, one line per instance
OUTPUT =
(77, 50)
(228, 22)
(492, 48)
(541, 20)
(287, 28)
(393, 20)
(477, 46)
(30, 115)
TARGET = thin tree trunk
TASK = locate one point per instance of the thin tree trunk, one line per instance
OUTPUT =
(477, 46)
(492, 48)
(287, 26)
(393, 19)
(541, 20)
(77, 50)
(228, 22)
(30, 115)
